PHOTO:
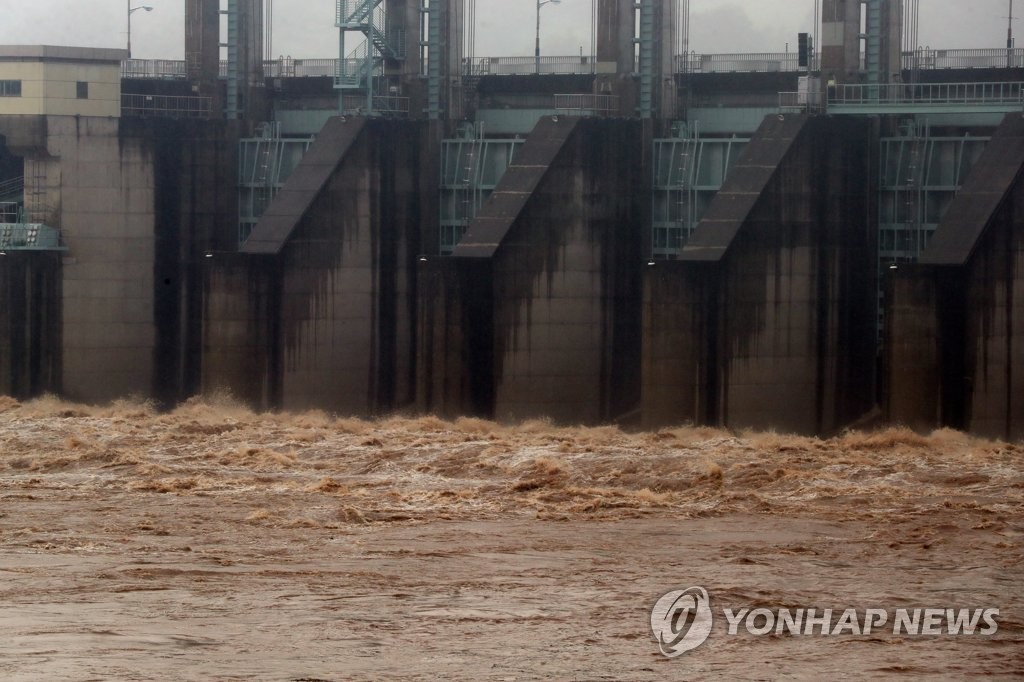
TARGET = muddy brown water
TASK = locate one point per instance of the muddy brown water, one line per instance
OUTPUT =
(214, 543)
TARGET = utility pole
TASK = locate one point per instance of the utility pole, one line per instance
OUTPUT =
(132, 10)
(536, 49)
(1009, 37)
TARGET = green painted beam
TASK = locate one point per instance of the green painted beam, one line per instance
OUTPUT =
(881, 108)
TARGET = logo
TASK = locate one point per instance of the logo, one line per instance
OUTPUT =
(681, 620)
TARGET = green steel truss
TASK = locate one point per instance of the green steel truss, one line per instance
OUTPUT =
(919, 175)
(264, 164)
(471, 167)
(688, 172)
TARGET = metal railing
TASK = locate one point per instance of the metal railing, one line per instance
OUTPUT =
(587, 105)
(276, 68)
(800, 101)
(964, 59)
(153, 68)
(762, 62)
(928, 93)
(521, 66)
(15, 187)
(754, 62)
(10, 212)
(300, 68)
(384, 104)
(165, 106)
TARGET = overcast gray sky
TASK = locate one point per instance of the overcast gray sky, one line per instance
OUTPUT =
(304, 28)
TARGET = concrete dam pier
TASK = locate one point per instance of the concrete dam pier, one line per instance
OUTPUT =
(767, 318)
(631, 237)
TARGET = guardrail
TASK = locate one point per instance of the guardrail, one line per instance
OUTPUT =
(754, 62)
(800, 101)
(384, 104)
(165, 106)
(300, 68)
(277, 68)
(521, 66)
(587, 105)
(748, 62)
(153, 68)
(13, 187)
(10, 211)
(964, 59)
(927, 93)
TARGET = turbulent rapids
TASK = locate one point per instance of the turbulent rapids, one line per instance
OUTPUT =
(288, 546)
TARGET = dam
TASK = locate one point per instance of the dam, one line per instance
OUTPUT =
(640, 235)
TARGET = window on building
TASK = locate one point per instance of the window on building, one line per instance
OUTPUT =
(83, 90)
(10, 88)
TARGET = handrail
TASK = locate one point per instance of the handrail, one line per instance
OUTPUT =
(575, 104)
(390, 105)
(13, 186)
(800, 101)
(521, 66)
(927, 93)
(921, 59)
(165, 106)
(988, 58)
(754, 62)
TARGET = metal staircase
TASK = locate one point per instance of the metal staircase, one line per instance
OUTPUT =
(873, 49)
(12, 201)
(472, 165)
(265, 163)
(357, 69)
(689, 170)
(12, 191)
(646, 40)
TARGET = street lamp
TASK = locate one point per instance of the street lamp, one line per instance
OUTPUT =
(130, 11)
(536, 49)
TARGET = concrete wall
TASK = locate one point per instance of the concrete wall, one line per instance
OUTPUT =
(994, 341)
(781, 284)
(347, 289)
(240, 312)
(195, 214)
(563, 233)
(955, 349)
(138, 203)
(566, 282)
(318, 308)
(102, 189)
(797, 348)
(839, 41)
(30, 323)
(912, 349)
(455, 338)
(680, 329)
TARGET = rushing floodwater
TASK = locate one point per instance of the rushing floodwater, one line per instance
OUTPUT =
(214, 543)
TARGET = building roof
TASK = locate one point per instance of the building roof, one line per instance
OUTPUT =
(62, 53)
